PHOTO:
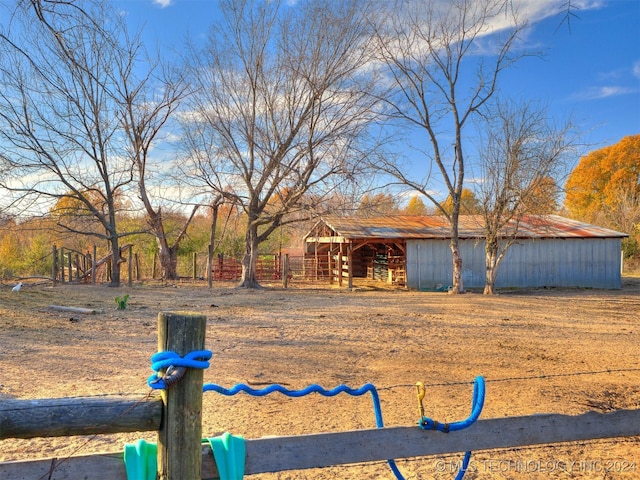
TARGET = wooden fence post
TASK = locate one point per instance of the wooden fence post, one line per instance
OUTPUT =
(153, 265)
(210, 266)
(130, 267)
(54, 264)
(93, 265)
(137, 265)
(78, 267)
(195, 265)
(285, 271)
(70, 272)
(61, 264)
(179, 448)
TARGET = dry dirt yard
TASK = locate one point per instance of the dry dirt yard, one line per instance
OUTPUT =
(541, 351)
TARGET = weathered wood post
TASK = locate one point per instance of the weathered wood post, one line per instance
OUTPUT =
(77, 267)
(340, 264)
(54, 264)
(210, 266)
(70, 272)
(285, 271)
(62, 264)
(93, 265)
(350, 265)
(179, 449)
(130, 267)
(137, 265)
(195, 265)
(153, 265)
(316, 260)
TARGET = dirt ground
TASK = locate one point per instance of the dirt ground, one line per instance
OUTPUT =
(541, 351)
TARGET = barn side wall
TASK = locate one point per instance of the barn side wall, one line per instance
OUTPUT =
(576, 262)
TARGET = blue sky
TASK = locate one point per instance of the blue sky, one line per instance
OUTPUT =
(589, 71)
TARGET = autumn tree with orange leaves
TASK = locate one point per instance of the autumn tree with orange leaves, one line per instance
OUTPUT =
(605, 189)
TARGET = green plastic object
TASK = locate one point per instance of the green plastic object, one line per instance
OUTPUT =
(229, 452)
(141, 460)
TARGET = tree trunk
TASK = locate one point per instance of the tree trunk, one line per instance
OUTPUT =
(212, 239)
(250, 259)
(168, 261)
(457, 268)
(115, 262)
(491, 262)
(455, 243)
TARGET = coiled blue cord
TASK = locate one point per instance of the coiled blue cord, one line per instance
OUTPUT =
(313, 388)
(161, 360)
(200, 359)
(476, 409)
(477, 404)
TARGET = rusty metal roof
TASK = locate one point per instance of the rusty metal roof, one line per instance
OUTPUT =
(470, 226)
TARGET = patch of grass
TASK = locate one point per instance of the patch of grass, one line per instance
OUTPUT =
(122, 302)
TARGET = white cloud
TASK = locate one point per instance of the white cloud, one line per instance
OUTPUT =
(162, 3)
(607, 91)
(636, 69)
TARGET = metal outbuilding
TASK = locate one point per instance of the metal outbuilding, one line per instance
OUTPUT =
(550, 251)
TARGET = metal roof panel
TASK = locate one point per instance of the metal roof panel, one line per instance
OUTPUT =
(470, 226)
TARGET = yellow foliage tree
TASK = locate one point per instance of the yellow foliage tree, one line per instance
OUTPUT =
(415, 206)
(469, 204)
(378, 204)
(605, 186)
(543, 197)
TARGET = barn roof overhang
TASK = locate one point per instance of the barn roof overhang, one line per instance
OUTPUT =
(406, 227)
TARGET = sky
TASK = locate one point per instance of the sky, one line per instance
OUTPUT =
(588, 70)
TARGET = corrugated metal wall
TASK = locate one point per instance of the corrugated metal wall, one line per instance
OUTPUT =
(582, 262)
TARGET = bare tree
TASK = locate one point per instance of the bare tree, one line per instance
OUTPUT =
(146, 109)
(280, 115)
(524, 158)
(58, 117)
(80, 112)
(444, 60)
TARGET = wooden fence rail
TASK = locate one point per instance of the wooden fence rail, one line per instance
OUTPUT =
(177, 418)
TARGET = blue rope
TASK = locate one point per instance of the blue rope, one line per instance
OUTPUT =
(200, 359)
(314, 388)
(196, 359)
(477, 404)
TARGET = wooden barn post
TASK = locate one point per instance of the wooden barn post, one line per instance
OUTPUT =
(341, 264)
(179, 437)
(330, 261)
(350, 264)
